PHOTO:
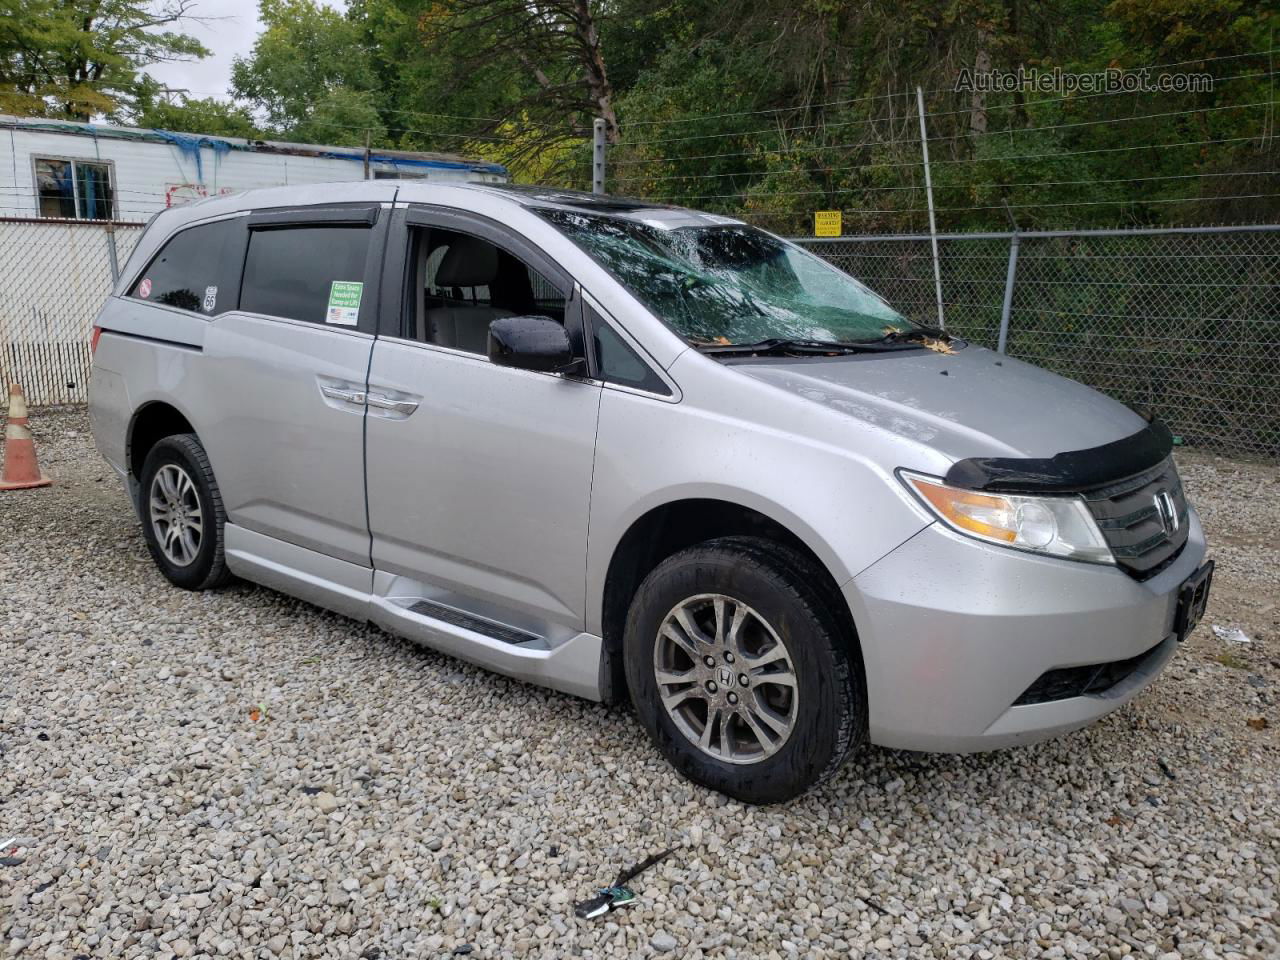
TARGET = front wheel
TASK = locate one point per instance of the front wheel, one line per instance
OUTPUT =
(182, 514)
(741, 672)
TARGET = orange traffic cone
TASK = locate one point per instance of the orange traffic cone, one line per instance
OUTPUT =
(20, 468)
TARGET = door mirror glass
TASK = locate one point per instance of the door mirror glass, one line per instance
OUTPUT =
(531, 343)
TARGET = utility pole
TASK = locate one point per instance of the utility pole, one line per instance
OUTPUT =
(367, 141)
(933, 226)
(597, 156)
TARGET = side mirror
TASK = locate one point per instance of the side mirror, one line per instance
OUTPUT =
(531, 343)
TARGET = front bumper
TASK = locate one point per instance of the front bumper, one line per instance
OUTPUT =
(953, 631)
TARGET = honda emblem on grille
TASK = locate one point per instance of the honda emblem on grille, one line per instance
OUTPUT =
(1168, 510)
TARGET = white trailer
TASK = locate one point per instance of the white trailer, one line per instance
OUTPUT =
(74, 197)
(55, 169)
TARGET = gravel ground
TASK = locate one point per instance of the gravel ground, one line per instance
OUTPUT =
(239, 774)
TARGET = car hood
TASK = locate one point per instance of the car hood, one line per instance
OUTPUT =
(973, 403)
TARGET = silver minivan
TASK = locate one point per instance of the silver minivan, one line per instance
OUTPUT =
(625, 449)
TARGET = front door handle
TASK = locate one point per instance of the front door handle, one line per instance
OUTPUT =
(402, 407)
(357, 397)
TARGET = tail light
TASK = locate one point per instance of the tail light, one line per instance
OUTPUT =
(93, 342)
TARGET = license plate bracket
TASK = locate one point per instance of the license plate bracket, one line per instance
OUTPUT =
(1193, 597)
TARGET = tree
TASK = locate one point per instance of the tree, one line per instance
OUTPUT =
(562, 75)
(76, 58)
(310, 73)
(153, 108)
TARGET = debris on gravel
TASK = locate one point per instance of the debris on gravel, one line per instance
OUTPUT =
(239, 774)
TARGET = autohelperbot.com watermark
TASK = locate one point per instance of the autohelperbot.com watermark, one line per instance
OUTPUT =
(1057, 80)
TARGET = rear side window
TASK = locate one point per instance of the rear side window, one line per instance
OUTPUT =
(197, 270)
(309, 273)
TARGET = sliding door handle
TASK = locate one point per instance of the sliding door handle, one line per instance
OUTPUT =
(402, 407)
(357, 397)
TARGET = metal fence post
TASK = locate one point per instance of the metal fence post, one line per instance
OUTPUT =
(1008, 293)
(111, 253)
(597, 157)
(933, 225)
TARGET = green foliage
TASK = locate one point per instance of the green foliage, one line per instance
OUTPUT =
(764, 108)
(188, 115)
(76, 58)
(309, 73)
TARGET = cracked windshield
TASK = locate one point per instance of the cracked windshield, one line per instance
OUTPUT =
(731, 284)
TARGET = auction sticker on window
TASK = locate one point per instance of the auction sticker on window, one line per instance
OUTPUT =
(344, 303)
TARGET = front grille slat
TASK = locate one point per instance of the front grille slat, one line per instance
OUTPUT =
(1131, 520)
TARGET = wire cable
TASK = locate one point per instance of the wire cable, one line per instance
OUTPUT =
(989, 133)
(1060, 155)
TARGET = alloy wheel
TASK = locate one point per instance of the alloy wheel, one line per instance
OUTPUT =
(726, 678)
(176, 515)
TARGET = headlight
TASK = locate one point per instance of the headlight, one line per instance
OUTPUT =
(1057, 526)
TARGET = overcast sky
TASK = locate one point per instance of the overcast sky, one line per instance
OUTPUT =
(230, 31)
(232, 27)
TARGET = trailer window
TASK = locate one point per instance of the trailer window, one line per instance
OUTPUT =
(74, 189)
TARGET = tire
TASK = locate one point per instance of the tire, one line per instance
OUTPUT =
(771, 591)
(177, 489)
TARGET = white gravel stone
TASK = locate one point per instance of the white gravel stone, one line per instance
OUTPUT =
(664, 942)
(240, 774)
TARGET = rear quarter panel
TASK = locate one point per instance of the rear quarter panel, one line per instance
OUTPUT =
(146, 353)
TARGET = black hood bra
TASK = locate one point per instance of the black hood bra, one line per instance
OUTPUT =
(1068, 472)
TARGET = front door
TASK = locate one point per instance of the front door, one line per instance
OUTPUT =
(479, 476)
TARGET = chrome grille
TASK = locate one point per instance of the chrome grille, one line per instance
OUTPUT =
(1143, 519)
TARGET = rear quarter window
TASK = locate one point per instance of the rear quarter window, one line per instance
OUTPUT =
(198, 269)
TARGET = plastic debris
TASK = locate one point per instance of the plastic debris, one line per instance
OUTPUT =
(609, 898)
(1231, 634)
(618, 895)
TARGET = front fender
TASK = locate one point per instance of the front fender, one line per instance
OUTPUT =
(845, 508)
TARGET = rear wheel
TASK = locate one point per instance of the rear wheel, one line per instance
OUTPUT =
(182, 514)
(741, 672)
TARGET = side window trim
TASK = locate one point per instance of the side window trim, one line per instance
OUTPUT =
(673, 390)
(362, 214)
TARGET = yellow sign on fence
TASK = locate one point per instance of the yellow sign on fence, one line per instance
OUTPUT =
(826, 223)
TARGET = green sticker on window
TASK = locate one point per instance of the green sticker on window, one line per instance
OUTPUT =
(344, 302)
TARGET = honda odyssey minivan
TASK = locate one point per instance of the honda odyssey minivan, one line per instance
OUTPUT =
(623, 449)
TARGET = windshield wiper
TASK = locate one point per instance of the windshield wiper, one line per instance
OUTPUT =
(785, 346)
(915, 336)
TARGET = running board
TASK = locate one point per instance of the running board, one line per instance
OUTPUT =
(571, 666)
(565, 661)
(468, 621)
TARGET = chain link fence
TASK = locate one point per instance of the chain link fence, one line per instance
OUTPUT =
(1184, 321)
(54, 275)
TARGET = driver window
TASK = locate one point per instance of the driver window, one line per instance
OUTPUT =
(462, 283)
